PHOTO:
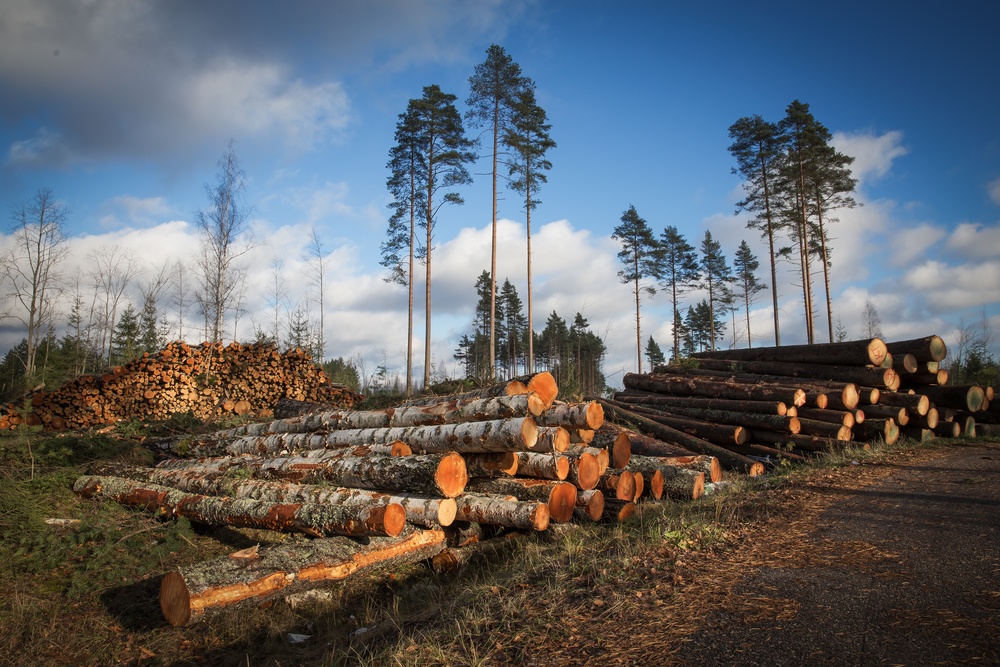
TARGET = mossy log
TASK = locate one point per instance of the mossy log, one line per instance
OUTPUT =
(192, 593)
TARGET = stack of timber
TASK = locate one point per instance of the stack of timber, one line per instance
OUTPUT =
(772, 403)
(206, 380)
(429, 479)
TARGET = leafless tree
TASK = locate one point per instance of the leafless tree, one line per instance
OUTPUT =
(317, 260)
(31, 266)
(277, 298)
(225, 238)
(871, 323)
(113, 269)
(180, 295)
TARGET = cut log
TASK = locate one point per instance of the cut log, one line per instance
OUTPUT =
(841, 417)
(616, 441)
(542, 384)
(784, 383)
(551, 439)
(930, 420)
(679, 483)
(963, 397)
(854, 352)
(618, 511)
(560, 496)
(354, 519)
(751, 420)
(877, 377)
(581, 436)
(619, 437)
(600, 455)
(618, 484)
(948, 430)
(915, 403)
(873, 430)
(905, 363)
(591, 502)
(917, 381)
(587, 415)
(584, 470)
(916, 433)
(706, 464)
(898, 414)
(810, 443)
(192, 593)
(728, 459)
(824, 429)
(496, 464)
(544, 466)
(968, 427)
(661, 400)
(494, 510)
(930, 348)
(679, 385)
(640, 486)
(719, 434)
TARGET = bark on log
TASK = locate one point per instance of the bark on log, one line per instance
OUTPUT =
(963, 397)
(618, 484)
(786, 383)
(918, 434)
(664, 401)
(878, 377)
(560, 496)
(581, 436)
(846, 353)
(915, 403)
(930, 348)
(551, 439)
(841, 417)
(542, 384)
(192, 593)
(354, 519)
(728, 459)
(918, 381)
(496, 464)
(701, 463)
(616, 441)
(544, 466)
(494, 510)
(591, 502)
(948, 430)
(810, 443)
(618, 511)
(752, 420)
(584, 470)
(679, 482)
(601, 455)
(898, 414)
(587, 415)
(875, 429)
(824, 429)
(930, 420)
(613, 435)
(686, 386)
(905, 363)
(719, 434)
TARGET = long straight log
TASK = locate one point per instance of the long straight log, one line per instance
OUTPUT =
(192, 593)
(853, 352)
(878, 429)
(824, 429)
(878, 377)
(918, 381)
(897, 413)
(811, 443)
(493, 510)
(312, 519)
(784, 382)
(686, 386)
(542, 384)
(915, 403)
(544, 466)
(706, 430)
(962, 397)
(841, 417)
(752, 420)
(560, 496)
(662, 400)
(930, 348)
(948, 430)
(706, 464)
(728, 459)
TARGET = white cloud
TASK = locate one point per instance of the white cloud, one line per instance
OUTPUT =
(973, 240)
(873, 154)
(44, 149)
(993, 188)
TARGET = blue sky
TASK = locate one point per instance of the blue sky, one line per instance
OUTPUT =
(123, 108)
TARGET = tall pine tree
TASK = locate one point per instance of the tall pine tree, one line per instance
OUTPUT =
(716, 276)
(746, 265)
(679, 271)
(640, 257)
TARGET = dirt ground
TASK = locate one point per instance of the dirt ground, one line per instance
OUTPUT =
(880, 564)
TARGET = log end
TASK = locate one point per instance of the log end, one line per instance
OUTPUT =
(560, 439)
(877, 351)
(451, 475)
(529, 432)
(850, 396)
(562, 467)
(698, 489)
(595, 415)
(536, 405)
(541, 516)
(621, 451)
(588, 471)
(175, 599)
(393, 519)
(740, 435)
(544, 385)
(756, 469)
(640, 486)
(447, 511)
(821, 400)
(938, 349)
(562, 500)
(592, 503)
(715, 470)
(400, 448)
(799, 398)
(656, 484)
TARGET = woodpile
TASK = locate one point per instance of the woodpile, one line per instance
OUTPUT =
(768, 404)
(425, 479)
(206, 380)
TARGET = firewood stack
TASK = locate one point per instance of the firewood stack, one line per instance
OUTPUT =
(427, 479)
(791, 402)
(207, 380)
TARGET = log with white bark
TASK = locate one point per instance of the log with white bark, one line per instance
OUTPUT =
(679, 483)
(553, 466)
(590, 503)
(560, 496)
(587, 415)
(355, 519)
(551, 439)
(192, 593)
(600, 455)
(618, 484)
(581, 436)
(846, 353)
(495, 510)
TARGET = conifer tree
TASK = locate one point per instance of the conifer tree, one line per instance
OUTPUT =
(640, 256)
(746, 265)
(654, 354)
(679, 272)
(716, 276)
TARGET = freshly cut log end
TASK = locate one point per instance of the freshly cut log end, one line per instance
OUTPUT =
(451, 475)
(392, 518)
(584, 471)
(493, 464)
(544, 466)
(591, 503)
(447, 511)
(175, 599)
(618, 511)
(561, 502)
(543, 385)
(551, 439)
(640, 486)
(621, 450)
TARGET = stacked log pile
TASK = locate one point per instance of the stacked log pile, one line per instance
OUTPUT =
(772, 403)
(206, 380)
(426, 479)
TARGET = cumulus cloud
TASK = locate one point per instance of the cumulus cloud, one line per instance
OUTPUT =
(973, 240)
(873, 154)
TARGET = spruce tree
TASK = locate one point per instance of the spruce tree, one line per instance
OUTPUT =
(716, 275)
(640, 256)
(125, 343)
(746, 264)
(679, 271)
(654, 354)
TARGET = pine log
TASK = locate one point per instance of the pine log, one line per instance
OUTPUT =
(905, 363)
(930, 348)
(764, 451)
(817, 399)
(930, 420)
(354, 519)
(679, 482)
(496, 510)
(824, 429)
(718, 434)
(948, 430)
(560, 496)
(616, 441)
(613, 435)
(786, 383)
(544, 466)
(542, 384)
(706, 464)
(752, 420)
(879, 429)
(878, 377)
(591, 502)
(915, 403)
(963, 397)
(916, 433)
(728, 459)
(841, 417)
(661, 400)
(495, 464)
(581, 436)
(856, 352)
(587, 415)
(688, 386)
(898, 414)
(194, 592)
(810, 443)
(968, 427)
(917, 381)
